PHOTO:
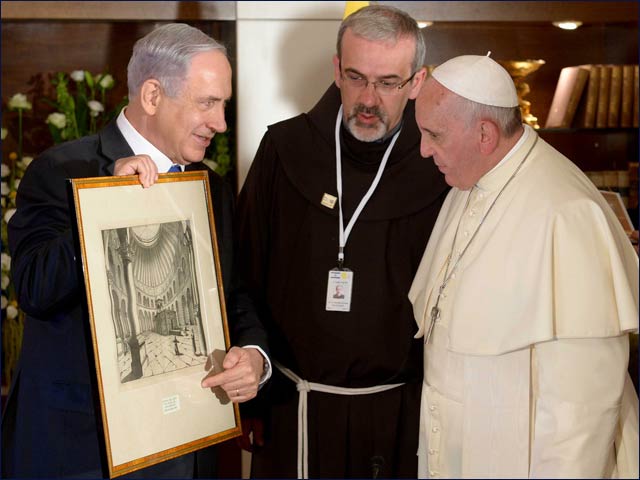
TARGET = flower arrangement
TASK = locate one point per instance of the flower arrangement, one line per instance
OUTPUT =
(77, 106)
(78, 101)
(12, 320)
(80, 104)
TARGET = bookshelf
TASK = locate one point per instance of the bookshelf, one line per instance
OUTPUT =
(591, 148)
(524, 31)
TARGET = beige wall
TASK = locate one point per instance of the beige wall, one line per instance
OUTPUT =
(283, 66)
(284, 52)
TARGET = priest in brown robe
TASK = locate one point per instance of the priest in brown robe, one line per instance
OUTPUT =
(340, 197)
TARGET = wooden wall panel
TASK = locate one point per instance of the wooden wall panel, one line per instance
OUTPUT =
(33, 50)
(122, 10)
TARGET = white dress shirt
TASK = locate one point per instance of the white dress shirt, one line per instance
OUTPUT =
(142, 146)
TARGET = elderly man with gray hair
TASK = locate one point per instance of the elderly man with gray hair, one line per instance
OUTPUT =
(179, 83)
(524, 299)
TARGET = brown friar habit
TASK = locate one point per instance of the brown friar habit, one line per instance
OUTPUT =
(289, 242)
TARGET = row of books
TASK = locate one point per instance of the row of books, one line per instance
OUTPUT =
(625, 182)
(595, 96)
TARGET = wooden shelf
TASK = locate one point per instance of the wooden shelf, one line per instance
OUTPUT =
(536, 11)
(522, 31)
(123, 10)
(590, 44)
(592, 130)
(595, 148)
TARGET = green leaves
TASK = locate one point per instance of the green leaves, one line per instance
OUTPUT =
(220, 154)
(82, 102)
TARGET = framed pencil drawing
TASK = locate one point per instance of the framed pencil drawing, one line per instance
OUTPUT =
(157, 315)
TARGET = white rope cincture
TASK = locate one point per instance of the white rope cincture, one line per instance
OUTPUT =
(304, 388)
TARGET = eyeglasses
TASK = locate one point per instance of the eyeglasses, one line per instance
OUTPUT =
(382, 87)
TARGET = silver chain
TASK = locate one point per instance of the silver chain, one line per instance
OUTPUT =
(435, 311)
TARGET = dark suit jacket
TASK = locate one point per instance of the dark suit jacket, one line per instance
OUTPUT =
(50, 427)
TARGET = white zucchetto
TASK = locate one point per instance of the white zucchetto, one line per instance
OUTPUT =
(478, 78)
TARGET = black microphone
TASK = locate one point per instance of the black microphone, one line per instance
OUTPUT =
(377, 462)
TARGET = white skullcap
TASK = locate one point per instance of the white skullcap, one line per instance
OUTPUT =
(478, 78)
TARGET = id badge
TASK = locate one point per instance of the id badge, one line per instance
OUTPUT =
(339, 288)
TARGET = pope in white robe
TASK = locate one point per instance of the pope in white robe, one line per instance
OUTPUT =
(525, 297)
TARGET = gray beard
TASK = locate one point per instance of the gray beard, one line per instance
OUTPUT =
(366, 134)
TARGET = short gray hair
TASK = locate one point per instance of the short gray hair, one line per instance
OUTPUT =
(384, 23)
(508, 119)
(165, 55)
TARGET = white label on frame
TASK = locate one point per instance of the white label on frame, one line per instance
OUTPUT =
(170, 404)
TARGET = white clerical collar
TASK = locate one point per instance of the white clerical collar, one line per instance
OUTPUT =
(523, 138)
(141, 145)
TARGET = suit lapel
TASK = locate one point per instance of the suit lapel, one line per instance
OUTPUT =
(112, 147)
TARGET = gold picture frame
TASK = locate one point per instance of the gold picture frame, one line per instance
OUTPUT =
(157, 315)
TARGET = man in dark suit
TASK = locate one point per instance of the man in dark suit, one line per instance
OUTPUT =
(179, 81)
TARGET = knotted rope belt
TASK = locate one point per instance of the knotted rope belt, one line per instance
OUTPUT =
(304, 387)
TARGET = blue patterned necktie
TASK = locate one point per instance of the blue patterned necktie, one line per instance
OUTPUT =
(174, 168)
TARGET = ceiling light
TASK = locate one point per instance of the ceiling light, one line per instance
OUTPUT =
(424, 24)
(568, 24)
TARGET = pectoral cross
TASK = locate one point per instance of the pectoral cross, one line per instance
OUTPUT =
(435, 315)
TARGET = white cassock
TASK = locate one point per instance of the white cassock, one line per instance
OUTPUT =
(525, 372)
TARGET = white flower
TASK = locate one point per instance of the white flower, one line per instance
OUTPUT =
(77, 75)
(4, 132)
(106, 82)
(24, 163)
(12, 312)
(95, 107)
(57, 119)
(5, 282)
(19, 102)
(6, 261)
(5, 170)
(210, 163)
(4, 302)
(8, 214)
(4, 189)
